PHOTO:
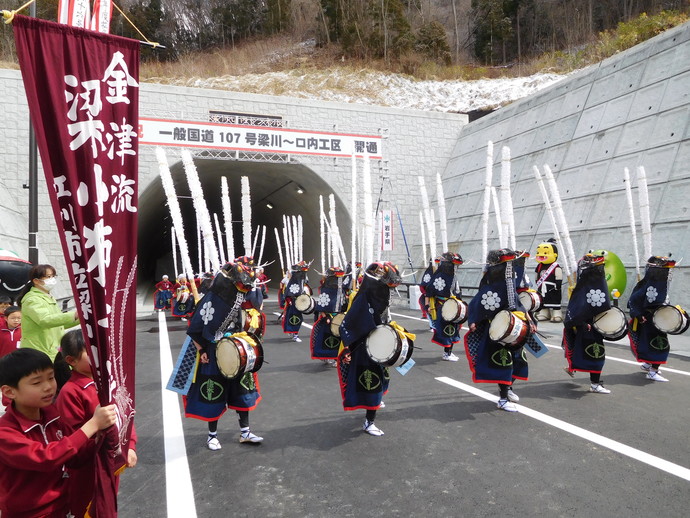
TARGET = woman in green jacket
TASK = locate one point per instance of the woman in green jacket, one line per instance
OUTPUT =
(43, 323)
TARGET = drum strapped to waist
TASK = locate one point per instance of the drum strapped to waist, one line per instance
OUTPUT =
(237, 355)
(305, 304)
(530, 300)
(249, 323)
(671, 319)
(508, 329)
(454, 311)
(335, 324)
(385, 345)
(611, 324)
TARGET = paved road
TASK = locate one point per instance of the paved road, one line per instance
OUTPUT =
(447, 451)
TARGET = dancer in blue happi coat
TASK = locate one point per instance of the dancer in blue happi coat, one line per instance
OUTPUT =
(363, 382)
(297, 284)
(331, 302)
(650, 310)
(493, 361)
(219, 314)
(582, 342)
(443, 288)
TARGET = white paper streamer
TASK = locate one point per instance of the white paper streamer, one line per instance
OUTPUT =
(430, 223)
(423, 234)
(645, 218)
(263, 242)
(552, 218)
(227, 218)
(322, 233)
(631, 217)
(219, 234)
(280, 251)
(442, 217)
(506, 199)
(487, 198)
(174, 251)
(368, 214)
(560, 217)
(497, 212)
(353, 212)
(202, 214)
(246, 216)
(175, 213)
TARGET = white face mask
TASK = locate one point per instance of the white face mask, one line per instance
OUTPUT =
(49, 284)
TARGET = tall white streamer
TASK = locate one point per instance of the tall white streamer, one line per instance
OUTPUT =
(300, 240)
(487, 198)
(552, 218)
(322, 233)
(430, 223)
(174, 251)
(560, 217)
(497, 212)
(203, 216)
(227, 218)
(288, 250)
(442, 216)
(506, 199)
(175, 213)
(280, 251)
(246, 216)
(423, 233)
(645, 219)
(368, 214)
(631, 217)
(353, 212)
(219, 234)
(263, 242)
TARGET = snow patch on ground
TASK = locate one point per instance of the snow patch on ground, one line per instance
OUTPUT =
(376, 88)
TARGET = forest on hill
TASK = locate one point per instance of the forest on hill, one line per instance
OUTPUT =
(495, 33)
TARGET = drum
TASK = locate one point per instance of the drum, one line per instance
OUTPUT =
(508, 329)
(236, 356)
(671, 319)
(335, 324)
(454, 311)
(530, 300)
(387, 347)
(611, 323)
(305, 304)
(249, 323)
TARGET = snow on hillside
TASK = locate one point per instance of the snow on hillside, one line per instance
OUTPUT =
(393, 90)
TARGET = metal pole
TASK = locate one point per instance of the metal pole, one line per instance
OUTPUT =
(33, 183)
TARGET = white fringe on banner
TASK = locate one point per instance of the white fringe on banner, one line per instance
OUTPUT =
(246, 216)
(202, 214)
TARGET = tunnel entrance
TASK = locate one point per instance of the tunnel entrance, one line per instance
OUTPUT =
(274, 184)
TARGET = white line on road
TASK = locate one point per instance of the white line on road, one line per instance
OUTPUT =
(608, 357)
(656, 462)
(178, 480)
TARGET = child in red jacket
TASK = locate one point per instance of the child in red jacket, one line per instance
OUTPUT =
(35, 443)
(10, 330)
(76, 401)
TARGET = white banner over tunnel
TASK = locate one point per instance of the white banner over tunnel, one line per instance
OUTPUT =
(259, 139)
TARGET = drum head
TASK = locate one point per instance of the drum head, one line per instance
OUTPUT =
(382, 343)
(500, 325)
(611, 323)
(670, 319)
(335, 324)
(228, 358)
(449, 310)
(304, 303)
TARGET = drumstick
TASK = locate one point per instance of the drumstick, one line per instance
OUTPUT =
(631, 215)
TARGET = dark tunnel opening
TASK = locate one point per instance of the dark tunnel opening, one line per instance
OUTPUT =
(274, 183)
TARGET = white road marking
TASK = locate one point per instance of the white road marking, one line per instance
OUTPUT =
(655, 462)
(178, 480)
(608, 357)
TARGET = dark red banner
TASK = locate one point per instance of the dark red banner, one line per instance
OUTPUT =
(83, 94)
